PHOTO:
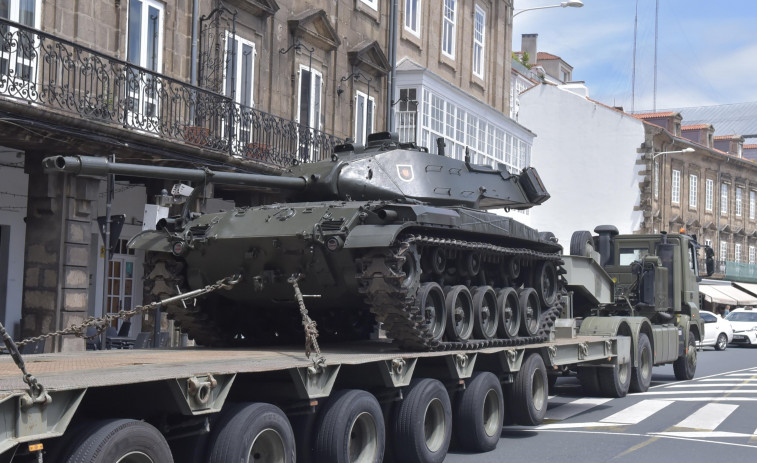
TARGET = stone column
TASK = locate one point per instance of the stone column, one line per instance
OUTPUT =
(60, 209)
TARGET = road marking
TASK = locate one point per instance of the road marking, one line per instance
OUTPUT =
(637, 412)
(709, 385)
(716, 380)
(573, 408)
(708, 417)
(709, 391)
(701, 434)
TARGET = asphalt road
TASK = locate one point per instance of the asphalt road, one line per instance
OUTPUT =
(712, 418)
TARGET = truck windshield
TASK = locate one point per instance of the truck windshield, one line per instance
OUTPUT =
(627, 255)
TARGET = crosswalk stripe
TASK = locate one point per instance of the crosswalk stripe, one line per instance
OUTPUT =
(573, 408)
(637, 412)
(717, 380)
(708, 417)
(706, 385)
(708, 391)
(700, 434)
(740, 374)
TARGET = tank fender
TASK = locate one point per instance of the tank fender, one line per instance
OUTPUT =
(619, 326)
(367, 236)
(150, 240)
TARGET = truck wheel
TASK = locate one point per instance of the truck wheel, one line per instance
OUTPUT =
(641, 375)
(581, 243)
(614, 382)
(120, 440)
(251, 432)
(530, 392)
(589, 380)
(459, 305)
(479, 412)
(423, 423)
(530, 312)
(686, 365)
(350, 428)
(485, 314)
(722, 342)
(545, 282)
(509, 313)
(431, 298)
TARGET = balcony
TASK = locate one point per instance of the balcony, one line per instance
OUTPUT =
(44, 71)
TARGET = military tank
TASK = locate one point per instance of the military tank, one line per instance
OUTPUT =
(385, 233)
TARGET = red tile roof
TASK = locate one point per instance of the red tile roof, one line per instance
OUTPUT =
(750, 146)
(695, 127)
(728, 137)
(541, 55)
(653, 115)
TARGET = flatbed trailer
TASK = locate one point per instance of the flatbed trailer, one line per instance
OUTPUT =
(188, 400)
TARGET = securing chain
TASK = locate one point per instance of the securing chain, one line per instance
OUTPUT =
(36, 390)
(311, 330)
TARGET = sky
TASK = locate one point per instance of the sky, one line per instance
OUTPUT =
(706, 49)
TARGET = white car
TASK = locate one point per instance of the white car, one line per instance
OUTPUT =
(744, 323)
(717, 331)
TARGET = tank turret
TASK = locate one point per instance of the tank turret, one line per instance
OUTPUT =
(386, 233)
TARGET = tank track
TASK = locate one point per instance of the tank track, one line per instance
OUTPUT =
(391, 297)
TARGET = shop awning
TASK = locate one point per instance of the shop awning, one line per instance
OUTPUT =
(751, 288)
(724, 294)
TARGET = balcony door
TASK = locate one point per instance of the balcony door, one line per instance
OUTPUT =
(238, 82)
(145, 49)
(309, 112)
(18, 49)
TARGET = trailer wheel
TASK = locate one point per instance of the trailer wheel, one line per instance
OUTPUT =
(545, 282)
(120, 441)
(641, 375)
(251, 432)
(614, 382)
(350, 429)
(530, 312)
(431, 298)
(530, 392)
(459, 305)
(587, 376)
(509, 313)
(485, 313)
(423, 423)
(479, 413)
(685, 366)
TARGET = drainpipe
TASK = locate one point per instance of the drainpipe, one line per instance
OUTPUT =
(195, 33)
(392, 63)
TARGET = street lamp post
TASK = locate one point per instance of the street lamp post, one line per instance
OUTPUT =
(572, 3)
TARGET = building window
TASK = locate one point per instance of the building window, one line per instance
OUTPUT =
(18, 60)
(724, 198)
(239, 76)
(723, 251)
(752, 203)
(310, 98)
(708, 242)
(708, 194)
(449, 28)
(737, 253)
(693, 190)
(365, 107)
(479, 31)
(656, 179)
(751, 255)
(371, 3)
(413, 16)
(675, 195)
(145, 49)
(738, 201)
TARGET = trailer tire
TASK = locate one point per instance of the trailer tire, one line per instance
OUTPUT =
(530, 392)
(350, 427)
(248, 431)
(107, 441)
(685, 366)
(641, 375)
(614, 382)
(479, 413)
(589, 380)
(422, 423)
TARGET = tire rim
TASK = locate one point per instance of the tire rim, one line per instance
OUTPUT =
(362, 446)
(488, 314)
(434, 427)
(721, 342)
(492, 420)
(645, 363)
(538, 388)
(691, 356)
(135, 457)
(268, 446)
(624, 370)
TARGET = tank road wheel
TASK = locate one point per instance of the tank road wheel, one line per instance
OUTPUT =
(431, 297)
(685, 366)
(530, 392)
(510, 269)
(615, 381)
(485, 314)
(251, 432)
(411, 268)
(119, 441)
(641, 374)
(350, 429)
(435, 260)
(479, 413)
(469, 263)
(545, 283)
(509, 313)
(530, 312)
(459, 306)
(422, 424)
(581, 243)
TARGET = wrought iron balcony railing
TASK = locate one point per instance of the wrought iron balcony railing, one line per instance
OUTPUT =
(44, 70)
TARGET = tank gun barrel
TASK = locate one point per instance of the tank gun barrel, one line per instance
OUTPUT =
(91, 165)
